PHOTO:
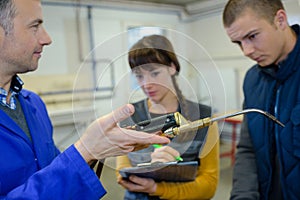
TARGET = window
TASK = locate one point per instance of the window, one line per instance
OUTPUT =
(136, 33)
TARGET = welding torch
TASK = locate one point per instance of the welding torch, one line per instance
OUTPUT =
(174, 124)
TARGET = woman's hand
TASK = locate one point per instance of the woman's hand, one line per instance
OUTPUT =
(138, 184)
(164, 154)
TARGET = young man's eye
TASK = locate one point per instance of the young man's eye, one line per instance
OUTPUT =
(239, 43)
(253, 36)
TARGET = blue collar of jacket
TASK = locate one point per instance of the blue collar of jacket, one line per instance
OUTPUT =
(286, 67)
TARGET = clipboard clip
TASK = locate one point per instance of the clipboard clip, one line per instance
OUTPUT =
(156, 164)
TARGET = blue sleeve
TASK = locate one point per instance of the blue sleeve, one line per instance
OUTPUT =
(67, 177)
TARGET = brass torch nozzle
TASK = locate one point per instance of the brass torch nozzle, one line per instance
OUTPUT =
(189, 126)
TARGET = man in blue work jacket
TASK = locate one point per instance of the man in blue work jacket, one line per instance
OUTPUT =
(268, 158)
(31, 167)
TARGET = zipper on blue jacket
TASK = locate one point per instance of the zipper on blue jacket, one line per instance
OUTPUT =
(276, 132)
(276, 114)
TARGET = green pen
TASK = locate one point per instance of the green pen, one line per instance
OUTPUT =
(157, 146)
(178, 158)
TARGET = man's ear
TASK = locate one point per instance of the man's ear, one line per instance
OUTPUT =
(280, 19)
(172, 69)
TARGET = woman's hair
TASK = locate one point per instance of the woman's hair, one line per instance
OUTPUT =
(265, 9)
(153, 49)
(7, 14)
(156, 49)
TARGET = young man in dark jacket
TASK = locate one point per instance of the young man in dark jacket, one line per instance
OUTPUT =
(268, 158)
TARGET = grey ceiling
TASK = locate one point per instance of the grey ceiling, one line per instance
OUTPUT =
(171, 2)
(186, 9)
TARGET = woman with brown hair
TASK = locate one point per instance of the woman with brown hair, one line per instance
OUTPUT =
(155, 66)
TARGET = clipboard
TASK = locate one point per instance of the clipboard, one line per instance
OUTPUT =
(169, 171)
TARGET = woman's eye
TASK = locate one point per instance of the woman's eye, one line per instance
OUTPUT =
(138, 76)
(154, 74)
